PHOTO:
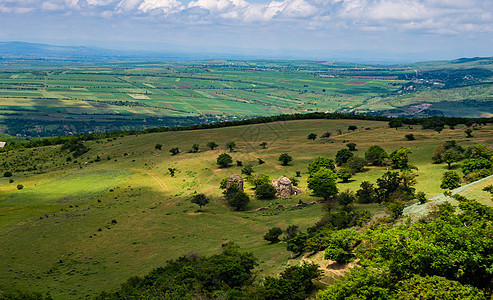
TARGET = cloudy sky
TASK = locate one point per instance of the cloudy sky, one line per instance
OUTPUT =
(378, 29)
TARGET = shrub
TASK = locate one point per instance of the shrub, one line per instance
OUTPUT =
(366, 193)
(247, 170)
(410, 137)
(20, 186)
(265, 191)
(273, 235)
(450, 180)
(352, 128)
(239, 201)
(7, 174)
(224, 160)
(312, 136)
(340, 245)
(212, 145)
(351, 146)
(174, 151)
(158, 146)
(345, 174)
(421, 196)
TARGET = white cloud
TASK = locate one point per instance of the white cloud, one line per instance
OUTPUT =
(166, 6)
(51, 6)
(5, 9)
(425, 16)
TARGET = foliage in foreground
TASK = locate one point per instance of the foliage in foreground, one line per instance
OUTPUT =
(228, 275)
(443, 256)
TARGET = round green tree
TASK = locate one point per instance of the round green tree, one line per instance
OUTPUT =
(343, 156)
(450, 180)
(265, 191)
(323, 183)
(375, 155)
(224, 160)
(285, 159)
(273, 235)
(321, 162)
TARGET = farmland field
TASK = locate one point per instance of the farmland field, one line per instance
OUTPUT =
(61, 100)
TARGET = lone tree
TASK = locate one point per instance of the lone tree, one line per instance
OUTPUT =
(263, 145)
(224, 160)
(158, 147)
(172, 171)
(395, 123)
(285, 159)
(375, 155)
(174, 151)
(400, 158)
(323, 183)
(345, 174)
(273, 235)
(312, 136)
(231, 145)
(200, 200)
(450, 156)
(450, 180)
(352, 128)
(468, 131)
(212, 145)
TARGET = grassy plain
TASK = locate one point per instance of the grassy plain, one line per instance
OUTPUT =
(82, 226)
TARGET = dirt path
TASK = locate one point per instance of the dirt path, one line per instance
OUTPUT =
(159, 181)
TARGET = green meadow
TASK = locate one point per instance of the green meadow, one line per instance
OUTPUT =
(84, 225)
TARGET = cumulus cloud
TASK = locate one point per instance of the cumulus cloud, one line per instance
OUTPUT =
(165, 6)
(434, 16)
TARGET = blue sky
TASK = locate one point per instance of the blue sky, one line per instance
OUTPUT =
(322, 29)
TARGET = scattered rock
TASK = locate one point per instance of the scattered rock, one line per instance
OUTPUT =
(262, 208)
(237, 179)
(280, 206)
(284, 187)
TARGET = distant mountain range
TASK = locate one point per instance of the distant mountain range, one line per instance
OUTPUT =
(18, 52)
(23, 51)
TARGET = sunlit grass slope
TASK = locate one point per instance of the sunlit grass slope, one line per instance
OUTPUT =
(82, 226)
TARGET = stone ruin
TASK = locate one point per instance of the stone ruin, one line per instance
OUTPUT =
(284, 187)
(237, 179)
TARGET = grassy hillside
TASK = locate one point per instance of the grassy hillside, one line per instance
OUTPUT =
(85, 225)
